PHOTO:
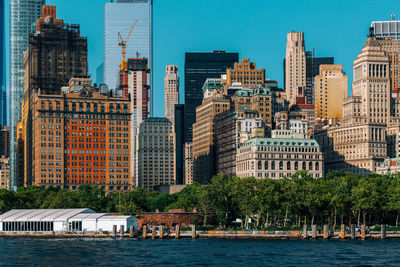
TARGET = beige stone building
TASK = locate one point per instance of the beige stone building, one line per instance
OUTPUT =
(189, 163)
(295, 66)
(203, 135)
(391, 48)
(156, 153)
(171, 92)
(359, 144)
(330, 88)
(279, 156)
(245, 73)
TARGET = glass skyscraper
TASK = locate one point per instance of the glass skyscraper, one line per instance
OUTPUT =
(119, 17)
(198, 67)
(23, 17)
(3, 93)
(387, 29)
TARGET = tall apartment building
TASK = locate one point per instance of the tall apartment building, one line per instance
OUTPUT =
(54, 44)
(387, 29)
(199, 67)
(203, 136)
(245, 73)
(295, 65)
(156, 153)
(392, 49)
(330, 90)
(312, 70)
(279, 156)
(19, 178)
(359, 144)
(230, 131)
(23, 17)
(256, 99)
(119, 16)
(189, 163)
(171, 92)
(79, 137)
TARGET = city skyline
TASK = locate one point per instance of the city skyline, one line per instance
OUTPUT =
(170, 44)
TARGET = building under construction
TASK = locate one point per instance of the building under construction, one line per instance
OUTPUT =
(56, 53)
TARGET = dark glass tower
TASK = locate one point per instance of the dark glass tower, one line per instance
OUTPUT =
(198, 67)
(179, 143)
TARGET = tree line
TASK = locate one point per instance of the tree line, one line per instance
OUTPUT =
(337, 198)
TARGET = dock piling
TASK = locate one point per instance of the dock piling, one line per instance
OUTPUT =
(193, 231)
(305, 231)
(177, 231)
(325, 231)
(383, 231)
(114, 231)
(353, 231)
(363, 232)
(153, 233)
(121, 230)
(144, 231)
(342, 233)
(131, 231)
(314, 231)
(161, 232)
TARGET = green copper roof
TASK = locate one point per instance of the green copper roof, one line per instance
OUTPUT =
(281, 142)
(253, 91)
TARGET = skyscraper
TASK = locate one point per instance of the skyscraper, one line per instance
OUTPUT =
(295, 65)
(23, 17)
(199, 67)
(3, 89)
(180, 145)
(387, 29)
(171, 92)
(119, 17)
(392, 50)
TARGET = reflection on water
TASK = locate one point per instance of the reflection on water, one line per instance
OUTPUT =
(187, 252)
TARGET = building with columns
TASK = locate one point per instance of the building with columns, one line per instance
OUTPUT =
(279, 156)
(359, 143)
(171, 92)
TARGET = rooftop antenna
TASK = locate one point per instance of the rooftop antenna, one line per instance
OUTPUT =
(393, 16)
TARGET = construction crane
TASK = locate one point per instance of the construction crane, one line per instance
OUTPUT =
(123, 44)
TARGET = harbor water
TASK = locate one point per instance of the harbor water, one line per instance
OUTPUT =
(204, 252)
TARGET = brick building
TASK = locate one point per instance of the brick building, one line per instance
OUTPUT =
(79, 137)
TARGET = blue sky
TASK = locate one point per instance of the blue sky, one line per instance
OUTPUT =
(255, 28)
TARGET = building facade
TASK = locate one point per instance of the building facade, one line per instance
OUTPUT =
(79, 137)
(387, 29)
(245, 73)
(330, 90)
(4, 141)
(279, 157)
(119, 16)
(359, 143)
(23, 17)
(392, 49)
(203, 136)
(199, 67)
(189, 163)
(156, 153)
(171, 92)
(179, 120)
(295, 65)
